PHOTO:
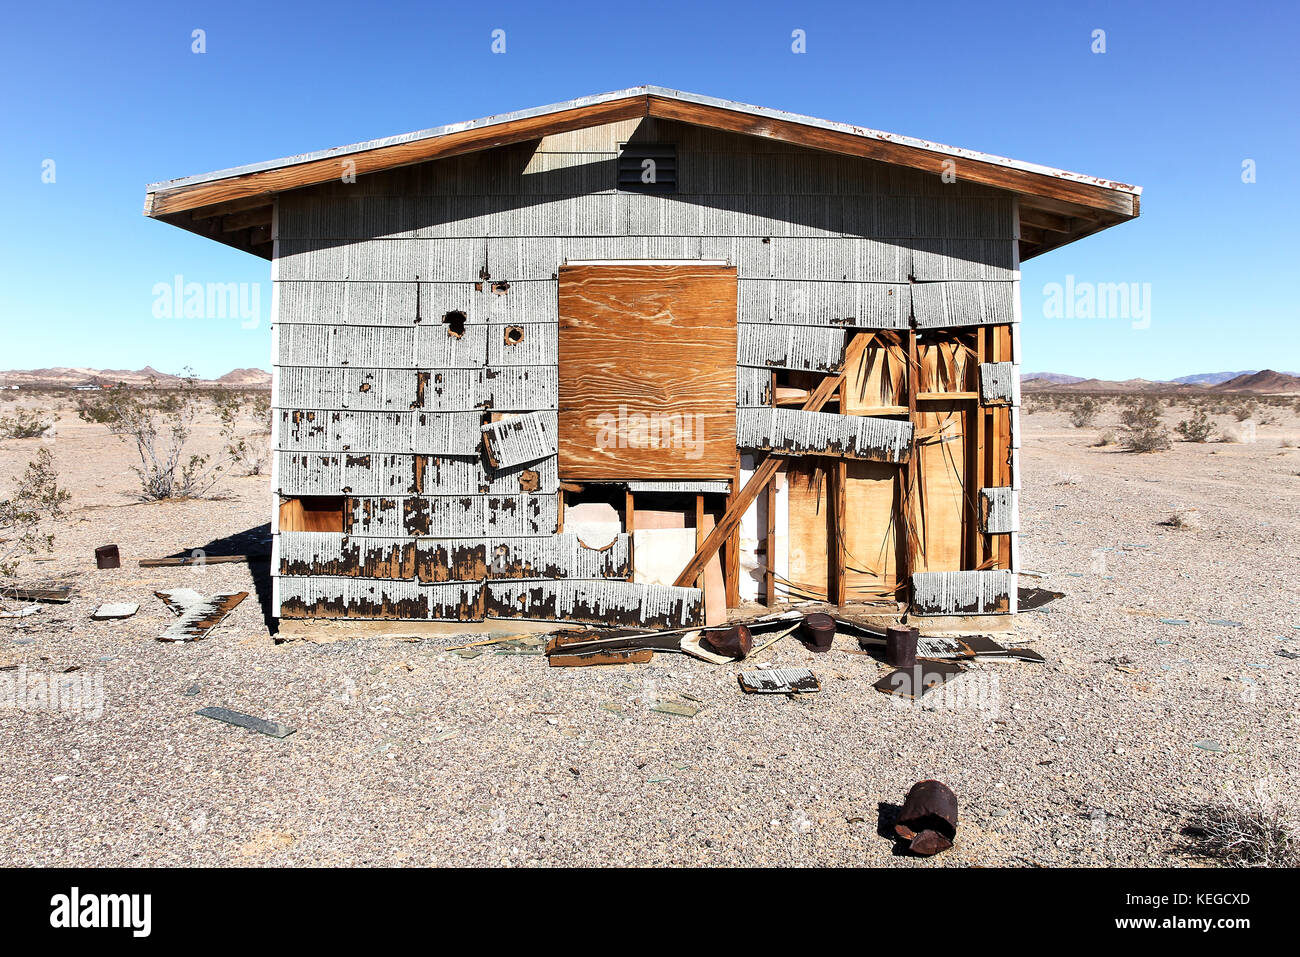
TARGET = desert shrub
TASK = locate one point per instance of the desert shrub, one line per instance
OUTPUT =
(1256, 829)
(1196, 429)
(1244, 409)
(1143, 429)
(249, 450)
(160, 427)
(1084, 413)
(35, 502)
(25, 424)
(1104, 438)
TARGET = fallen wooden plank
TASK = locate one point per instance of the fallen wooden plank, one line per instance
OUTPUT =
(202, 560)
(56, 595)
(197, 616)
(630, 656)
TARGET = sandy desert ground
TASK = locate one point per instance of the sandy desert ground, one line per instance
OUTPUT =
(407, 754)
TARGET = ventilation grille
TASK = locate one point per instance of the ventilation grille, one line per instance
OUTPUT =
(647, 169)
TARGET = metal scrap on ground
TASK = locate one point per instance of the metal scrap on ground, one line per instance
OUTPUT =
(920, 678)
(113, 610)
(61, 595)
(241, 720)
(928, 819)
(197, 616)
(779, 681)
(21, 612)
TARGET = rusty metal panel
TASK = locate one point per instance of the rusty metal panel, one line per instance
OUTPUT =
(445, 433)
(939, 305)
(523, 344)
(346, 556)
(603, 601)
(988, 592)
(1001, 510)
(811, 348)
(856, 304)
(519, 440)
(824, 433)
(452, 516)
(999, 383)
(322, 597)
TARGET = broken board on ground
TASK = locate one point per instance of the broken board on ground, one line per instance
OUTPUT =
(779, 681)
(113, 610)
(970, 646)
(920, 678)
(197, 616)
(241, 720)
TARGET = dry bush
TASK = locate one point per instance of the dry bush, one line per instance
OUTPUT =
(1143, 429)
(1198, 428)
(160, 425)
(25, 424)
(1104, 437)
(1083, 414)
(249, 450)
(1255, 829)
(25, 515)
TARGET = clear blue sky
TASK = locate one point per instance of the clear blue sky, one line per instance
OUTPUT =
(1183, 94)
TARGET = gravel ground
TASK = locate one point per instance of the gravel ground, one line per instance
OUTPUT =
(407, 754)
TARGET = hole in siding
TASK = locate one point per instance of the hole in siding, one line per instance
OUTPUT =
(455, 323)
(501, 288)
(514, 335)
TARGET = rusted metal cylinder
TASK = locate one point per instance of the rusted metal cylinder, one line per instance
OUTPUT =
(900, 646)
(106, 556)
(735, 642)
(818, 632)
(928, 820)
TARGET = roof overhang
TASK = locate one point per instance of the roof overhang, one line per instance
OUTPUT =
(233, 206)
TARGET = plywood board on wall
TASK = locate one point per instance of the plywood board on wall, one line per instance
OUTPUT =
(647, 372)
(808, 565)
(938, 505)
(871, 540)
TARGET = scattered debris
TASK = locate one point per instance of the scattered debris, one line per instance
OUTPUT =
(1032, 599)
(680, 708)
(900, 646)
(58, 596)
(779, 681)
(200, 557)
(631, 656)
(197, 616)
(692, 644)
(1283, 653)
(21, 612)
(928, 820)
(1174, 621)
(246, 721)
(1224, 623)
(114, 610)
(735, 643)
(920, 678)
(818, 632)
(107, 556)
(1208, 746)
(524, 645)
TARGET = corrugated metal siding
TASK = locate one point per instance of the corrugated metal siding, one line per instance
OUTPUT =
(596, 601)
(818, 433)
(999, 383)
(791, 347)
(519, 440)
(964, 593)
(939, 305)
(1001, 510)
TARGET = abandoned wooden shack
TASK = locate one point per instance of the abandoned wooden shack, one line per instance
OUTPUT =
(633, 358)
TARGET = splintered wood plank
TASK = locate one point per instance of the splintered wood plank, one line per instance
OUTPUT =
(647, 372)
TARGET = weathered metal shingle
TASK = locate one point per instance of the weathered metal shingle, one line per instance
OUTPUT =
(1001, 510)
(824, 433)
(518, 440)
(964, 593)
(999, 383)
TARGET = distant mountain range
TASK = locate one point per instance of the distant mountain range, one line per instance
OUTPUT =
(1259, 382)
(65, 378)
